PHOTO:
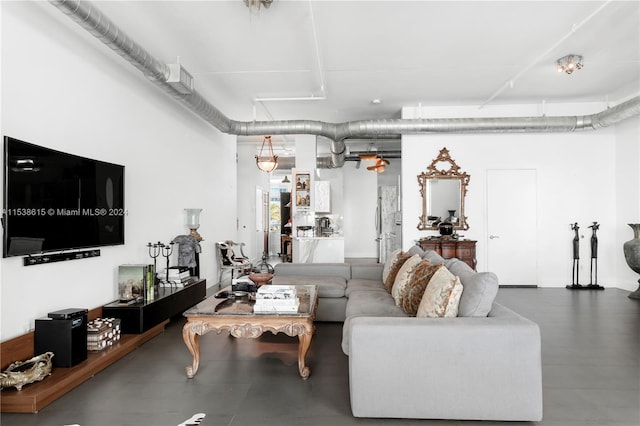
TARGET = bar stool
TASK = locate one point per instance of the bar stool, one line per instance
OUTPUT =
(286, 248)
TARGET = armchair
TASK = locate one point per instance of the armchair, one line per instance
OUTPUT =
(230, 256)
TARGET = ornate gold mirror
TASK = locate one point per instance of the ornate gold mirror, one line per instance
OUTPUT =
(443, 191)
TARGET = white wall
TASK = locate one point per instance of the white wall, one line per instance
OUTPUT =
(63, 89)
(249, 179)
(627, 159)
(578, 181)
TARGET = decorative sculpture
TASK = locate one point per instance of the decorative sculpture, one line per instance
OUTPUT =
(576, 260)
(575, 273)
(188, 250)
(22, 373)
(593, 277)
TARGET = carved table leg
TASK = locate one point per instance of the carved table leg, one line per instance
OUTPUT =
(303, 348)
(190, 337)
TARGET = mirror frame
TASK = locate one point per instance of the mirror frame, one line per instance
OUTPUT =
(452, 173)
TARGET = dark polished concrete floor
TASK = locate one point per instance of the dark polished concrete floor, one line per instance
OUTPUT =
(590, 354)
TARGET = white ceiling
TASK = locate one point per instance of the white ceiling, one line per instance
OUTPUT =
(403, 53)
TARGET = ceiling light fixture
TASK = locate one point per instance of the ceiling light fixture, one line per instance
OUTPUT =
(286, 179)
(379, 166)
(254, 5)
(267, 163)
(370, 155)
(569, 63)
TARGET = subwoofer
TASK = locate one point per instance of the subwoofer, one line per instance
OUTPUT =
(65, 334)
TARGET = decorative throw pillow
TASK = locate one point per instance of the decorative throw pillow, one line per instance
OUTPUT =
(387, 265)
(412, 295)
(393, 271)
(402, 278)
(442, 296)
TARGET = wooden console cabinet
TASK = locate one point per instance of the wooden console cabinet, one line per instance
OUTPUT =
(464, 250)
(139, 323)
(169, 301)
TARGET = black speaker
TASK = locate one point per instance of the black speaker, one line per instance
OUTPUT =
(65, 334)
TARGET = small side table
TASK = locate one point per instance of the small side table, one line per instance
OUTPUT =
(286, 248)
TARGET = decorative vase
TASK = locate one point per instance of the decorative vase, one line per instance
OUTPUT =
(445, 228)
(632, 255)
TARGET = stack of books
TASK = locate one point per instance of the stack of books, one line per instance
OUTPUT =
(178, 276)
(276, 298)
(135, 283)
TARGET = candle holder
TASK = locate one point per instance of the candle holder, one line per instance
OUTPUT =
(166, 251)
(154, 252)
(193, 222)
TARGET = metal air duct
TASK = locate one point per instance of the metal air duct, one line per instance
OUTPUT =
(90, 18)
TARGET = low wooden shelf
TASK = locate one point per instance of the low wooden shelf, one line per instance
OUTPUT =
(140, 323)
(35, 396)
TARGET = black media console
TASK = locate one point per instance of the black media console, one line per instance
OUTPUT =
(168, 302)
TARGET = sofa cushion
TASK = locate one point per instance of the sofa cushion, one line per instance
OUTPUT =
(372, 303)
(415, 249)
(403, 276)
(356, 284)
(315, 269)
(327, 286)
(418, 282)
(433, 257)
(370, 271)
(393, 271)
(442, 296)
(479, 292)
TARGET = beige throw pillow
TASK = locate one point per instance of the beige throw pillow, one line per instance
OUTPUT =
(393, 271)
(412, 295)
(403, 276)
(442, 296)
(387, 265)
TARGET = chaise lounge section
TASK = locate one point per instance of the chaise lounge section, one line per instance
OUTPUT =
(483, 364)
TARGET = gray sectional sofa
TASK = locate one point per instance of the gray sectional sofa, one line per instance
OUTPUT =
(484, 364)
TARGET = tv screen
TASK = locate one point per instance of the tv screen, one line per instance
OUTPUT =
(55, 201)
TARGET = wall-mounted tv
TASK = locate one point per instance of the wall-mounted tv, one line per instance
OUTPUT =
(55, 201)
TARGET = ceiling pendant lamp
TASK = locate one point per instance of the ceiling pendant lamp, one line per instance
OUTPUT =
(267, 163)
(379, 166)
(370, 155)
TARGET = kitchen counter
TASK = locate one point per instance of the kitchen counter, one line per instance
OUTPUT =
(333, 237)
(318, 249)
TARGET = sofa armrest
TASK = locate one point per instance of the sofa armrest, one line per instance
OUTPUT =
(461, 368)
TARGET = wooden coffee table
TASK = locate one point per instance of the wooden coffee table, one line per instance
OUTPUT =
(236, 316)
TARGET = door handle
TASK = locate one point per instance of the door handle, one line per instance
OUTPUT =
(491, 237)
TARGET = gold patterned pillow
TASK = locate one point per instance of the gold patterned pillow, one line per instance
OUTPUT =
(393, 270)
(412, 295)
(387, 264)
(442, 296)
(403, 276)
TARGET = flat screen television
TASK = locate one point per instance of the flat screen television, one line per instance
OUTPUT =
(55, 201)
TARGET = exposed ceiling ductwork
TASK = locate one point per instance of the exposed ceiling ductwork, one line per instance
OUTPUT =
(91, 19)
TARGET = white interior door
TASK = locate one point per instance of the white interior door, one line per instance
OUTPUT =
(512, 226)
